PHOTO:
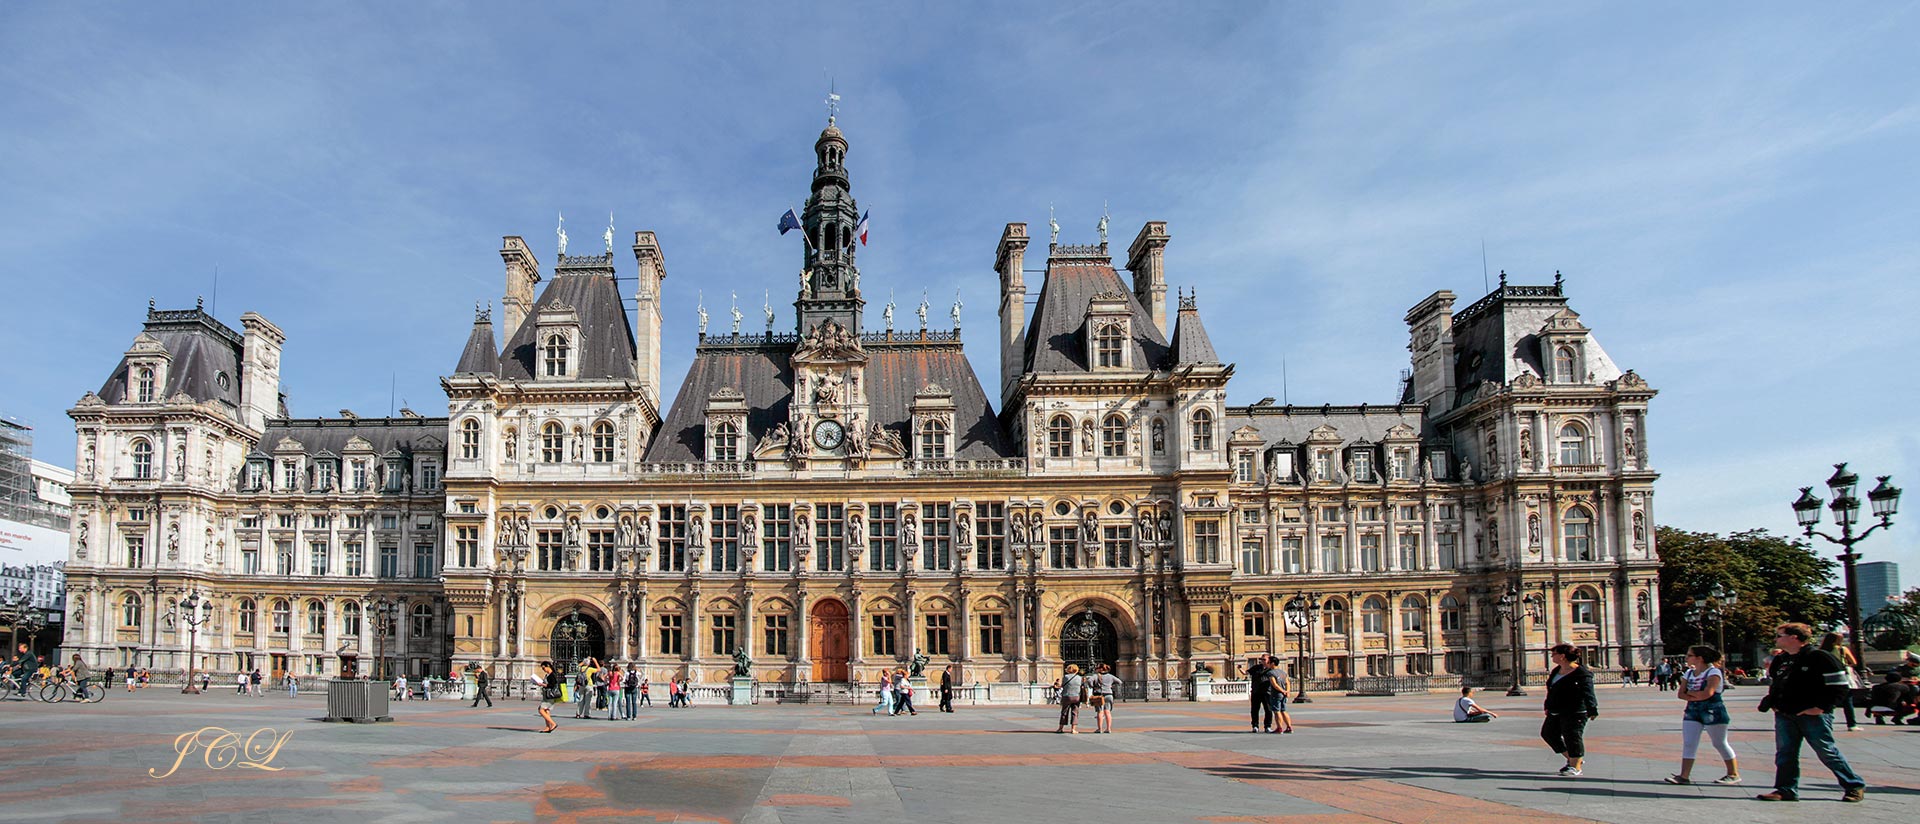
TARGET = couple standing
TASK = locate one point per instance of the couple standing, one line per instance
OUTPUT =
(1267, 686)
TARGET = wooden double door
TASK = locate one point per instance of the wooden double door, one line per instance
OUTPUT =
(828, 643)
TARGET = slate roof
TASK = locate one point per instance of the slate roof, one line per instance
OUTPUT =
(479, 357)
(1497, 339)
(1295, 424)
(202, 348)
(1190, 341)
(894, 372)
(606, 337)
(425, 436)
(1056, 342)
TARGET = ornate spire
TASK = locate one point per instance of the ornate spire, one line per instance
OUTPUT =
(830, 281)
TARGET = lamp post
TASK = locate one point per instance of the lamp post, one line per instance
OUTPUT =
(1300, 612)
(196, 612)
(1885, 499)
(17, 610)
(1515, 609)
(383, 612)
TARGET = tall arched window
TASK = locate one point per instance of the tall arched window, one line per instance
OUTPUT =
(316, 618)
(1450, 614)
(130, 610)
(248, 615)
(1577, 528)
(933, 440)
(557, 353)
(142, 459)
(422, 621)
(1563, 365)
(350, 619)
(553, 443)
(1060, 437)
(282, 617)
(726, 442)
(1333, 617)
(1113, 437)
(1254, 619)
(1573, 445)
(1202, 430)
(1585, 606)
(1413, 614)
(143, 385)
(1109, 346)
(603, 442)
(470, 438)
(1373, 614)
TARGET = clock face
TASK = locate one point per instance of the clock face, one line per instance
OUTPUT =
(828, 434)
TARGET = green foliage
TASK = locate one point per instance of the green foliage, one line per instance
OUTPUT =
(1778, 579)
(1897, 626)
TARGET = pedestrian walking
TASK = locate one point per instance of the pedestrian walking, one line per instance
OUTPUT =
(258, 680)
(886, 694)
(400, 686)
(646, 691)
(1662, 675)
(903, 693)
(132, 677)
(946, 688)
(1835, 644)
(1570, 705)
(630, 685)
(1278, 685)
(1806, 684)
(582, 688)
(482, 680)
(1103, 685)
(293, 686)
(240, 681)
(1071, 686)
(1701, 685)
(548, 683)
(206, 682)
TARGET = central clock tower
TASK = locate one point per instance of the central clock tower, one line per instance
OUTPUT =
(829, 280)
(829, 418)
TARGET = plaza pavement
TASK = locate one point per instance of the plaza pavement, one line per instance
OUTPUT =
(1353, 760)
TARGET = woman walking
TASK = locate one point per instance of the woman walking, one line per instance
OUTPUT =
(1570, 705)
(548, 682)
(1836, 646)
(886, 694)
(903, 694)
(1070, 686)
(1700, 686)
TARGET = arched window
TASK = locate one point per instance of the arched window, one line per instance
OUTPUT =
(1109, 346)
(1573, 445)
(130, 610)
(726, 442)
(422, 621)
(553, 443)
(1159, 436)
(1254, 619)
(143, 383)
(1577, 527)
(1413, 614)
(1450, 614)
(316, 618)
(1206, 623)
(1563, 365)
(249, 613)
(1202, 430)
(1333, 617)
(1113, 437)
(1373, 614)
(350, 619)
(142, 459)
(1060, 437)
(603, 442)
(933, 440)
(557, 353)
(1585, 606)
(282, 617)
(470, 438)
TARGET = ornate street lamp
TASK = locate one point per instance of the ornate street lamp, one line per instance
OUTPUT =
(1885, 502)
(1515, 609)
(195, 611)
(1300, 612)
(382, 615)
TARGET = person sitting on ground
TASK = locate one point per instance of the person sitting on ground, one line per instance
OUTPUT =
(1892, 698)
(1466, 711)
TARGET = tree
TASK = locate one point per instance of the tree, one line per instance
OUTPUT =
(1776, 579)
(1897, 626)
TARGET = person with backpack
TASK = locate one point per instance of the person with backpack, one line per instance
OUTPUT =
(1104, 685)
(630, 686)
(1260, 719)
(1071, 687)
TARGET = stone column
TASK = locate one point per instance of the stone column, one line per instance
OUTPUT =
(1428, 552)
(802, 658)
(1352, 545)
(963, 620)
(639, 629)
(856, 617)
(910, 613)
(1020, 612)
(693, 627)
(746, 624)
(1394, 666)
(1390, 539)
(1310, 540)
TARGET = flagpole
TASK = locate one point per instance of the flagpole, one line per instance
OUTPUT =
(803, 229)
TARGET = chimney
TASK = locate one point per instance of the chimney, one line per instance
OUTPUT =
(1146, 260)
(260, 370)
(646, 332)
(1013, 307)
(1430, 339)
(522, 273)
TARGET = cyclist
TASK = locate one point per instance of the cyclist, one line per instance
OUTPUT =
(24, 663)
(82, 676)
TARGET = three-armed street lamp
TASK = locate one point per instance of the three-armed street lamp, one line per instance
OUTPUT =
(383, 614)
(1712, 605)
(194, 612)
(1300, 614)
(1846, 512)
(1515, 609)
(18, 612)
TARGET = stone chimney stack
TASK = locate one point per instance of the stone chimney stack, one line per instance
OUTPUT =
(260, 370)
(646, 332)
(522, 273)
(1430, 339)
(1146, 259)
(1013, 307)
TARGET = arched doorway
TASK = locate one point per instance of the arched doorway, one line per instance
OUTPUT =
(827, 630)
(576, 636)
(1088, 639)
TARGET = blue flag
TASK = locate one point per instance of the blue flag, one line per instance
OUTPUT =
(789, 221)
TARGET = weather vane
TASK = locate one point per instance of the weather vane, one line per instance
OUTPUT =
(833, 103)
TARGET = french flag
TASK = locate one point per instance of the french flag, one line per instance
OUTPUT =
(861, 229)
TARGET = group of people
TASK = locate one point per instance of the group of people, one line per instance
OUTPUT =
(896, 694)
(1267, 690)
(1098, 690)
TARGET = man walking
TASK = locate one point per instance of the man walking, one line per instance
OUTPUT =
(1807, 683)
(481, 681)
(946, 688)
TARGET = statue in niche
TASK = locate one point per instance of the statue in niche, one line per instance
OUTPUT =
(1533, 530)
(80, 540)
(1019, 528)
(749, 529)
(1639, 529)
(963, 528)
(1526, 447)
(626, 531)
(909, 528)
(1086, 436)
(857, 525)
(573, 530)
(513, 449)
(1627, 444)
(180, 462)
(697, 530)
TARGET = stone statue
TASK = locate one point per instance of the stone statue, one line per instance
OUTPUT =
(701, 309)
(1103, 223)
(742, 665)
(963, 528)
(697, 530)
(918, 665)
(1533, 530)
(885, 314)
(922, 311)
(608, 236)
(573, 531)
(957, 305)
(909, 529)
(1639, 529)
(561, 232)
(767, 306)
(1086, 436)
(737, 317)
(749, 530)
(805, 276)
(1053, 227)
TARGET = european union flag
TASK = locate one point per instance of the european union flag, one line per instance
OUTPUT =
(789, 221)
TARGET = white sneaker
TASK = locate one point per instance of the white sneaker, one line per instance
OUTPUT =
(1728, 780)
(1570, 772)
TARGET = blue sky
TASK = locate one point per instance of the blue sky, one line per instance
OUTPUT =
(1730, 191)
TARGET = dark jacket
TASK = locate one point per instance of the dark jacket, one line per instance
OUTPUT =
(1572, 694)
(1808, 679)
(1890, 694)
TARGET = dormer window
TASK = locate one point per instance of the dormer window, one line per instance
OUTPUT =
(1109, 347)
(555, 355)
(1243, 468)
(603, 442)
(1060, 437)
(429, 476)
(1363, 464)
(933, 440)
(359, 476)
(290, 475)
(1573, 445)
(1563, 361)
(142, 460)
(726, 442)
(143, 384)
(256, 476)
(326, 475)
(1323, 465)
(1402, 464)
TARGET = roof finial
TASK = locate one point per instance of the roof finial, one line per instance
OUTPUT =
(199, 302)
(561, 232)
(922, 311)
(887, 314)
(833, 101)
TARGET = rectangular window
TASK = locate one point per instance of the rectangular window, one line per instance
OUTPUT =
(1063, 547)
(1413, 619)
(250, 559)
(317, 558)
(389, 521)
(829, 537)
(883, 537)
(136, 551)
(356, 560)
(389, 560)
(1409, 550)
(776, 537)
(1446, 546)
(283, 557)
(356, 522)
(249, 522)
(1456, 663)
(282, 618)
(1379, 665)
(1363, 465)
(1116, 546)
(1206, 542)
(990, 530)
(466, 544)
(423, 566)
(723, 545)
(1333, 553)
(936, 535)
(1409, 512)
(938, 631)
(670, 634)
(1290, 515)
(725, 639)
(883, 635)
(287, 520)
(1323, 465)
(429, 477)
(1579, 541)
(289, 475)
(1370, 559)
(549, 550)
(1292, 557)
(1330, 514)
(1253, 558)
(1243, 467)
(993, 633)
(1370, 513)
(1584, 610)
(1447, 512)
(1449, 618)
(1401, 460)
(671, 542)
(359, 476)
(774, 639)
(1250, 515)
(600, 550)
(319, 521)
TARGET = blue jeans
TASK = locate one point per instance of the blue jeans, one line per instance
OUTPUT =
(1817, 731)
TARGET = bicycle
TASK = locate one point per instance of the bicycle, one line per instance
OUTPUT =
(85, 691)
